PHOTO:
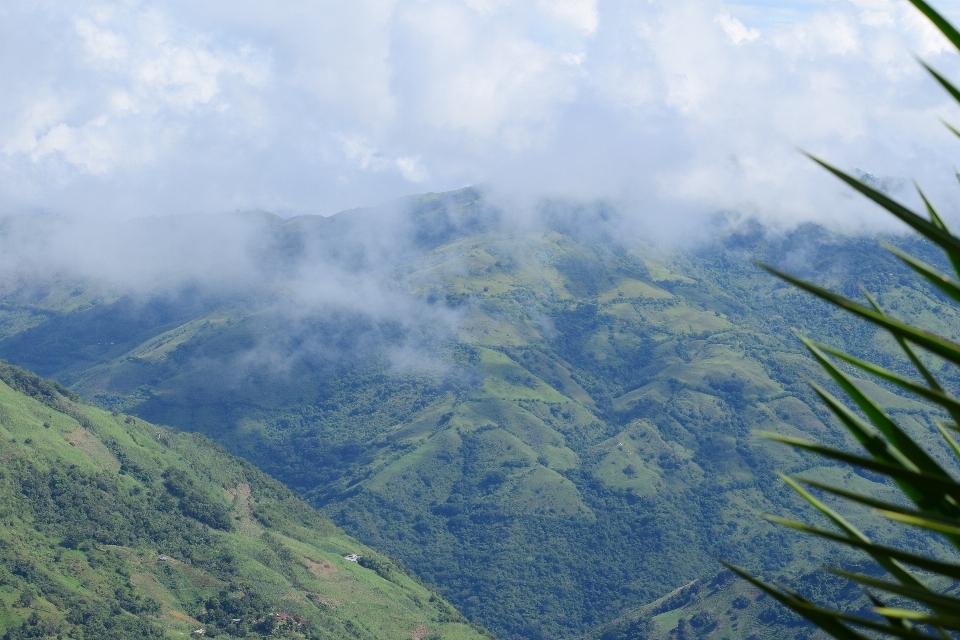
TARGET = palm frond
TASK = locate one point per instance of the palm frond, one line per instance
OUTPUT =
(898, 439)
(941, 23)
(931, 275)
(946, 569)
(930, 598)
(891, 451)
(946, 349)
(905, 346)
(878, 505)
(927, 486)
(949, 439)
(939, 397)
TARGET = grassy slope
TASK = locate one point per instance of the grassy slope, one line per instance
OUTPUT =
(90, 504)
(584, 449)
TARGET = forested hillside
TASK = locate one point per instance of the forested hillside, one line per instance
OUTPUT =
(551, 422)
(115, 528)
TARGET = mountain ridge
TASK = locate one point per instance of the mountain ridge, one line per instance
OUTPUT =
(113, 527)
(550, 422)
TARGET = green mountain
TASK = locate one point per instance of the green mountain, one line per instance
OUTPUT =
(111, 527)
(549, 419)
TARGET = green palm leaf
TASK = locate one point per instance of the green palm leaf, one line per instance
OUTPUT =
(932, 212)
(946, 84)
(914, 358)
(879, 505)
(891, 451)
(899, 440)
(931, 275)
(829, 620)
(927, 485)
(942, 24)
(930, 598)
(946, 349)
(935, 395)
(939, 567)
(925, 227)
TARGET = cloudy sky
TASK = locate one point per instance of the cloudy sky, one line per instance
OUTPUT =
(137, 108)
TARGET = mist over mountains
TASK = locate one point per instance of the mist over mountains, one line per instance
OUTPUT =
(121, 111)
(528, 406)
(546, 416)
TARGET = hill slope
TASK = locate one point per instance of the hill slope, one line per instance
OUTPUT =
(111, 527)
(551, 422)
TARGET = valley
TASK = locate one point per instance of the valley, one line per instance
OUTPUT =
(552, 423)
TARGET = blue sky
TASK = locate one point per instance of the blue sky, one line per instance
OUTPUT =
(141, 108)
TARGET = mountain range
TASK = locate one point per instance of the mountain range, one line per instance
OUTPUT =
(547, 417)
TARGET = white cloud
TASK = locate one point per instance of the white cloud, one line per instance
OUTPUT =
(735, 30)
(581, 14)
(877, 19)
(830, 33)
(365, 156)
(101, 44)
(412, 169)
(88, 147)
(483, 83)
(487, 8)
(90, 126)
(362, 155)
(692, 105)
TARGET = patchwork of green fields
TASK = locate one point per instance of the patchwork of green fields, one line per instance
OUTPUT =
(554, 427)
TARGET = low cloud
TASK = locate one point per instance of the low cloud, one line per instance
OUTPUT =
(675, 109)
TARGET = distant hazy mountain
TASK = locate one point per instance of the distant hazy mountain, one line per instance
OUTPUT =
(548, 417)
